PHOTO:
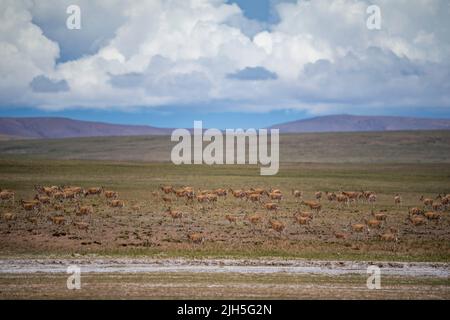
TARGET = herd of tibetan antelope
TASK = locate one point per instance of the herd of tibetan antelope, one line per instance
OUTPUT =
(48, 204)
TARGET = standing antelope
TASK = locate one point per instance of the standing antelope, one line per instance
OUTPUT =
(372, 198)
(398, 200)
(426, 201)
(174, 214)
(231, 218)
(318, 195)
(297, 194)
(7, 195)
(277, 225)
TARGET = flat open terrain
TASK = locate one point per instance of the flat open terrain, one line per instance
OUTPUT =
(149, 230)
(404, 163)
(362, 147)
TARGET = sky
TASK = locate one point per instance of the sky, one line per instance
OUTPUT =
(230, 63)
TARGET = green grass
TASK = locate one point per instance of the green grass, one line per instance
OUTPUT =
(365, 147)
(135, 182)
(409, 163)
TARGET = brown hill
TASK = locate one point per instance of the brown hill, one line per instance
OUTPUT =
(53, 128)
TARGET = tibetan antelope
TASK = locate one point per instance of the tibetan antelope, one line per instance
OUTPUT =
(318, 195)
(277, 225)
(117, 203)
(398, 200)
(196, 237)
(313, 205)
(231, 218)
(7, 195)
(427, 202)
(174, 214)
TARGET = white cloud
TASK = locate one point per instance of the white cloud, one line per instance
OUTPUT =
(179, 52)
(24, 51)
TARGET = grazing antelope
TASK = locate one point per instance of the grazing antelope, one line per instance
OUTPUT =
(432, 215)
(351, 196)
(313, 205)
(275, 196)
(260, 191)
(379, 216)
(58, 206)
(271, 206)
(426, 201)
(78, 191)
(302, 220)
(437, 207)
(117, 203)
(45, 190)
(445, 201)
(42, 199)
(196, 237)
(8, 216)
(277, 225)
(341, 235)
(58, 195)
(417, 221)
(109, 194)
(331, 196)
(202, 198)
(373, 223)
(389, 236)
(221, 192)
(305, 214)
(342, 199)
(69, 195)
(92, 191)
(167, 189)
(398, 200)
(7, 195)
(239, 194)
(211, 197)
(358, 227)
(231, 218)
(166, 199)
(254, 197)
(415, 211)
(84, 210)
(59, 220)
(32, 205)
(174, 214)
(180, 193)
(254, 218)
(136, 207)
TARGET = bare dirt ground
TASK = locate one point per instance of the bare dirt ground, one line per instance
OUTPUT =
(221, 278)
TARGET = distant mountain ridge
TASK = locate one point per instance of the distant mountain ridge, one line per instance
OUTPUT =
(54, 127)
(351, 123)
